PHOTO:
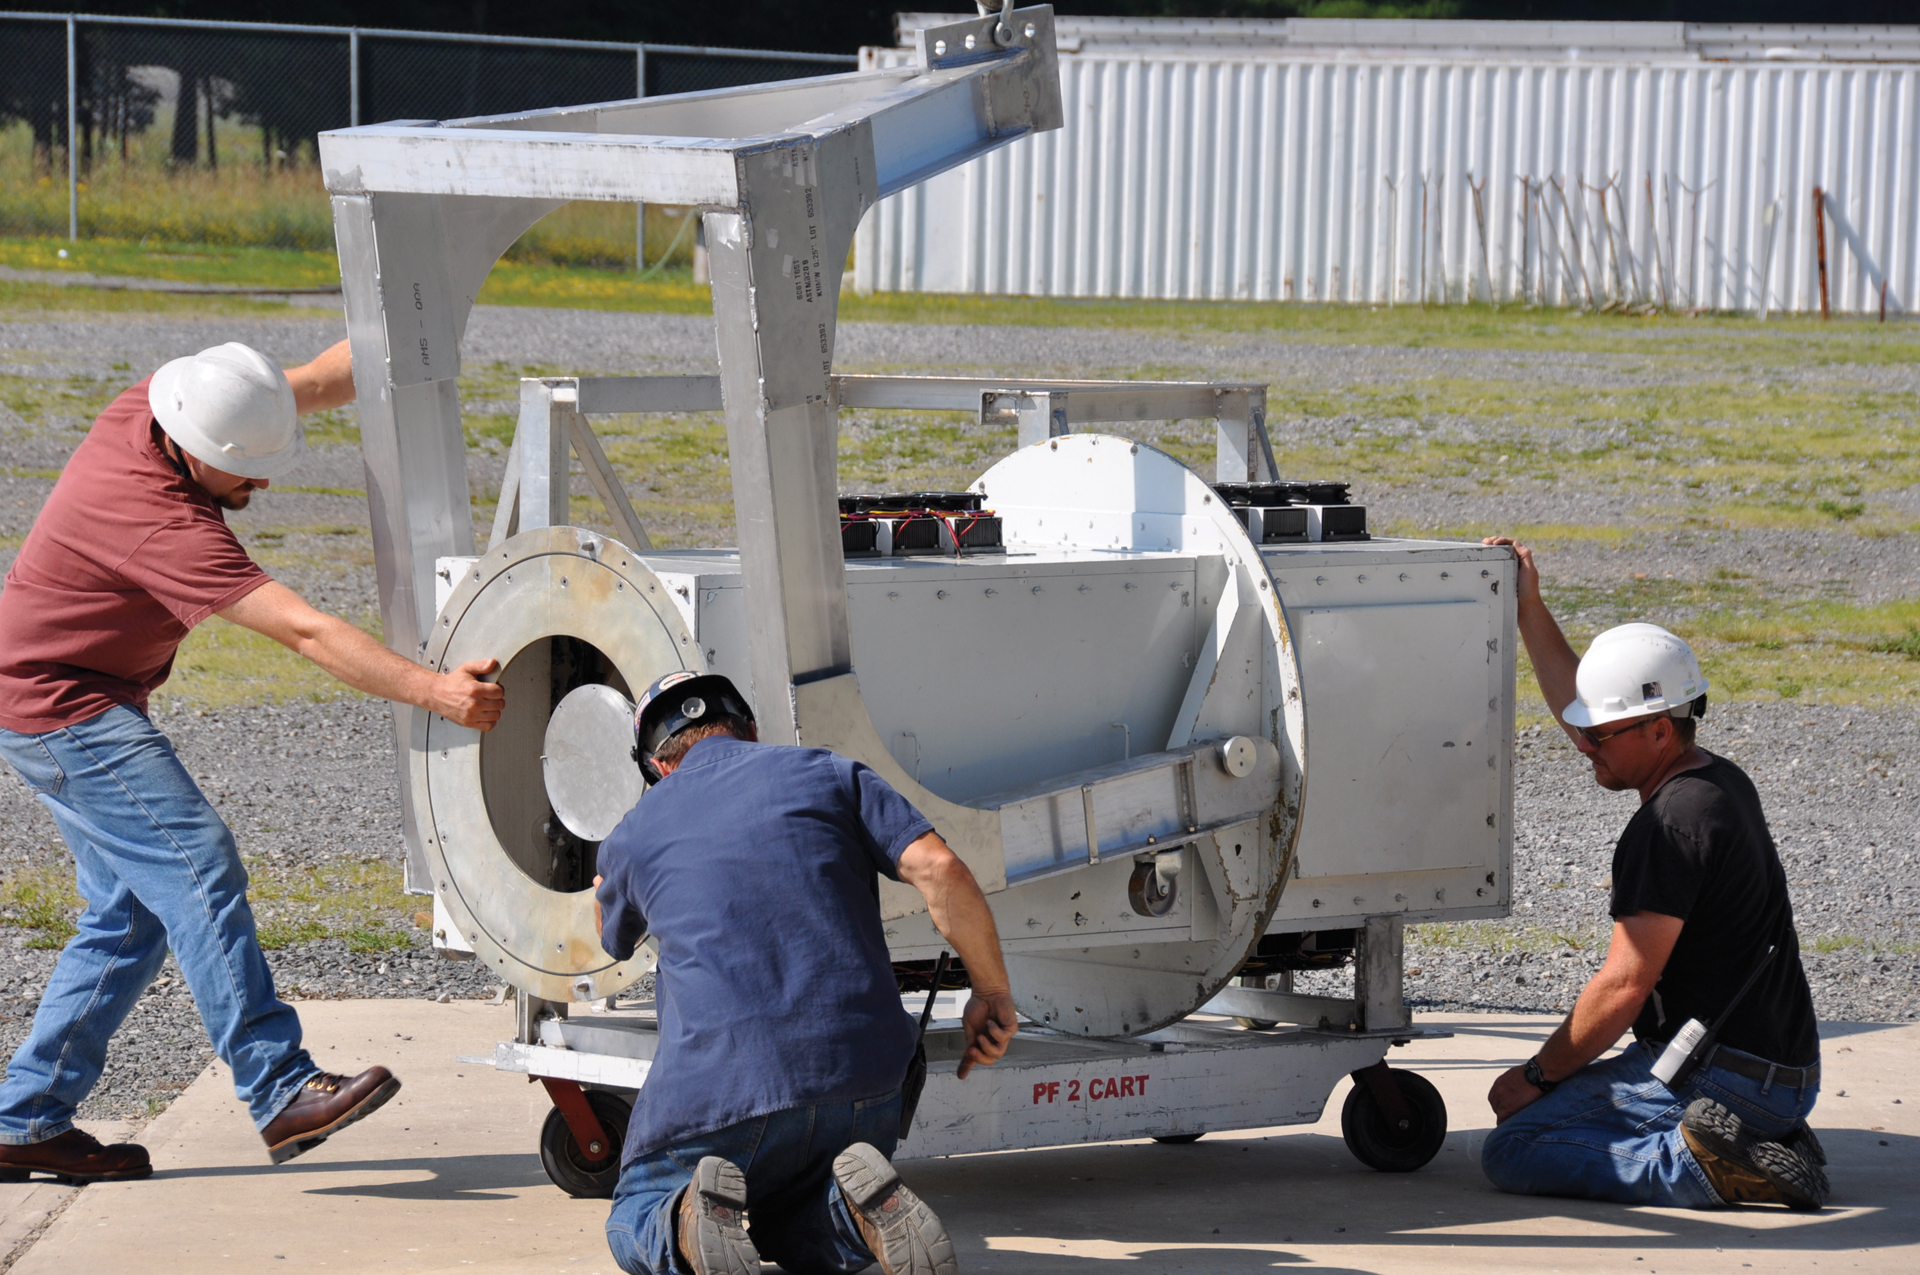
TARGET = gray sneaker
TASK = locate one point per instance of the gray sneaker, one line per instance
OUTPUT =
(904, 1235)
(712, 1225)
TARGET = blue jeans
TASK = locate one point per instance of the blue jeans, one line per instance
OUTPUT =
(1611, 1131)
(157, 869)
(795, 1215)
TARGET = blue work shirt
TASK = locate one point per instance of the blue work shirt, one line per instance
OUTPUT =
(753, 865)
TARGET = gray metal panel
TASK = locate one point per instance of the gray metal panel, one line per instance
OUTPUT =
(1413, 784)
(1394, 820)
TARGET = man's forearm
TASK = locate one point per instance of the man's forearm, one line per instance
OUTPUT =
(959, 911)
(325, 382)
(462, 696)
(364, 663)
(1605, 1010)
(1555, 665)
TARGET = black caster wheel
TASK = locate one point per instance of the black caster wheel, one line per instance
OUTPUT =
(1178, 1139)
(1258, 1024)
(580, 1175)
(1377, 1143)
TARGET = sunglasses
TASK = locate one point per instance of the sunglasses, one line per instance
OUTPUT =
(1595, 737)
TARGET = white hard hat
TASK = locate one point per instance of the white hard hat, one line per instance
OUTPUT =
(230, 407)
(1634, 670)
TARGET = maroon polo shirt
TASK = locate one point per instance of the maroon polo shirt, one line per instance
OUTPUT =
(126, 557)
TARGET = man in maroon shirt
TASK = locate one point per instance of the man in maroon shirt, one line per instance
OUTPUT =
(129, 553)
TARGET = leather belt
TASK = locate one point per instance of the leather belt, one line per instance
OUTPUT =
(1769, 1074)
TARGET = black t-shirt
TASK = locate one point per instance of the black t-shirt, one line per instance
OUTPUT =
(1700, 851)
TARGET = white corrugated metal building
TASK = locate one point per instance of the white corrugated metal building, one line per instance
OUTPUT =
(1359, 161)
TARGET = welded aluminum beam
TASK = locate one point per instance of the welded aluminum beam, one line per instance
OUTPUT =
(917, 122)
(1089, 402)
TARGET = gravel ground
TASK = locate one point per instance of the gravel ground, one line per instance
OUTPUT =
(313, 785)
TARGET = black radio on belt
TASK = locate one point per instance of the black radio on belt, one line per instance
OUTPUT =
(1695, 1040)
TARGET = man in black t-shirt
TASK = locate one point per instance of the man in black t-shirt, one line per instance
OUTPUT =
(1699, 905)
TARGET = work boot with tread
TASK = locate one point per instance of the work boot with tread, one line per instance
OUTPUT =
(1801, 1139)
(904, 1235)
(325, 1105)
(76, 1158)
(1746, 1169)
(711, 1229)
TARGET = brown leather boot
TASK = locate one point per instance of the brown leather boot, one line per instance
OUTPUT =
(75, 1157)
(903, 1234)
(710, 1228)
(1745, 1168)
(325, 1105)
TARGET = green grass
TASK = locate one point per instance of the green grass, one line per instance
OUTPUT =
(360, 902)
(221, 664)
(256, 201)
(43, 902)
(1499, 937)
(75, 399)
(1752, 643)
(1905, 643)
(180, 263)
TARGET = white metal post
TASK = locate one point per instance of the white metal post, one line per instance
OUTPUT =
(640, 209)
(353, 77)
(1041, 416)
(1243, 453)
(73, 109)
(1770, 218)
(540, 446)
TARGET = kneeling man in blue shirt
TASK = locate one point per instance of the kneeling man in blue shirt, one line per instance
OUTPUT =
(773, 1105)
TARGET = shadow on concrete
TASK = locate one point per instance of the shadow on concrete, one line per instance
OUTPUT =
(1835, 1031)
(453, 1177)
(1270, 1197)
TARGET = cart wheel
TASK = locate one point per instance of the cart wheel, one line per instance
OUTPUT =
(1178, 1139)
(571, 1169)
(1377, 1144)
(1258, 1024)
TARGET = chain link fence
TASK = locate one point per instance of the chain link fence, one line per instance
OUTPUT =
(199, 133)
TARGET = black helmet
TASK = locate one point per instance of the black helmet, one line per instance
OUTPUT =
(675, 702)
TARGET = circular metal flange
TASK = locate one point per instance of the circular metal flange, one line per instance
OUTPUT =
(1098, 493)
(543, 583)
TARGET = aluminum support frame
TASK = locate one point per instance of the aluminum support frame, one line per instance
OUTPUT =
(534, 489)
(1243, 452)
(784, 173)
(1379, 974)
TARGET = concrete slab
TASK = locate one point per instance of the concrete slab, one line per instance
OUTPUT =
(25, 1207)
(447, 1180)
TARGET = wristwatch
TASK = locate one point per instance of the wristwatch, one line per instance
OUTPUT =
(1536, 1077)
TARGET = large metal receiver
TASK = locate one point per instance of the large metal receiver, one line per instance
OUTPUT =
(1107, 720)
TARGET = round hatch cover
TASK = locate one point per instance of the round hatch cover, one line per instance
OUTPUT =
(592, 780)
